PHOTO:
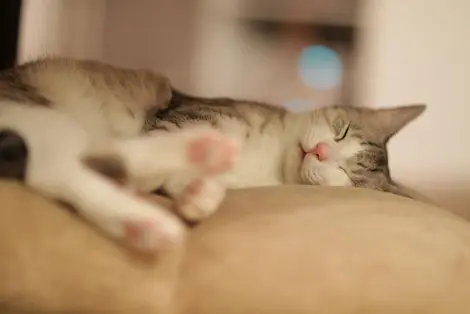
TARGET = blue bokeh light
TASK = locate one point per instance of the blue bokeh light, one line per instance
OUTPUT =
(320, 67)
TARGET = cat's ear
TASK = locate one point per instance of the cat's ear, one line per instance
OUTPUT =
(388, 121)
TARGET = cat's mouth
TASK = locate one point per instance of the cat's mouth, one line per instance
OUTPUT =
(302, 152)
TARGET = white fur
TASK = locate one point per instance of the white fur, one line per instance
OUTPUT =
(260, 156)
(56, 144)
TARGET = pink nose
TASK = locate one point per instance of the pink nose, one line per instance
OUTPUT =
(320, 151)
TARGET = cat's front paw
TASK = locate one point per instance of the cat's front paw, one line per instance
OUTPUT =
(148, 235)
(211, 152)
(200, 199)
(151, 234)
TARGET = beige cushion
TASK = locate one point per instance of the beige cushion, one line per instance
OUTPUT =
(327, 250)
(269, 250)
(51, 261)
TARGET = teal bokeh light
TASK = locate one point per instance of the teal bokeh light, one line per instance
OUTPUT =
(320, 67)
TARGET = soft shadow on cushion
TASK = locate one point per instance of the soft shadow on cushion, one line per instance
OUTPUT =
(304, 250)
(52, 261)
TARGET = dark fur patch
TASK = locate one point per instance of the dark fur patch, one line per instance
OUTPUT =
(185, 109)
(13, 156)
(111, 166)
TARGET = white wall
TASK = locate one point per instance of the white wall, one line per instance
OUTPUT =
(419, 51)
(72, 28)
(155, 34)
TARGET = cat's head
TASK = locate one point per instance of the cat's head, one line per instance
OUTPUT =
(347, 146)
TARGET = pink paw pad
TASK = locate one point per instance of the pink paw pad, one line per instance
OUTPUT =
(133, 230)
(194, 188)
(146, 235)
(211, 154)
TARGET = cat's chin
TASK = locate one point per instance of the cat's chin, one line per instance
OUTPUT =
(308, 176)
(309, 180)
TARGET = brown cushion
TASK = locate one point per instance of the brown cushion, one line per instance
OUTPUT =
(311, 250)
(52, 261)
(268, 250)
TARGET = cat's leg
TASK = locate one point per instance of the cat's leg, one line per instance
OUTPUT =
(54, 167)
(185, 160)
(187, 167)
(199, 151)
(120, 213)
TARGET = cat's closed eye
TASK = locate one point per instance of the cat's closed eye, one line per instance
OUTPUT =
(342, 134)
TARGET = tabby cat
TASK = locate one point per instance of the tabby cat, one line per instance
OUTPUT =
(333, 146)
(93, 135)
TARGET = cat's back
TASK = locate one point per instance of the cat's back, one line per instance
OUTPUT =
(48, 78)
(221, 113)
(60, 79)
(98, 95)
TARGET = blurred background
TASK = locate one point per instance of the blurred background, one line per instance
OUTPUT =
(295, 53)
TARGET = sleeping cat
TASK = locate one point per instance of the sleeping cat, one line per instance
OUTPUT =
(334, 146)
(62, 122)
